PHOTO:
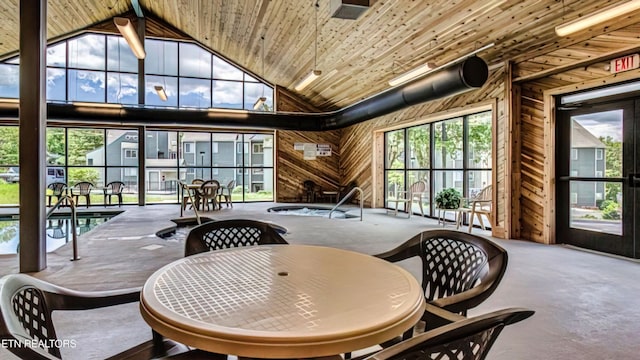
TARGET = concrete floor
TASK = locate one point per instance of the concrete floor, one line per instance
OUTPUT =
(587, 305)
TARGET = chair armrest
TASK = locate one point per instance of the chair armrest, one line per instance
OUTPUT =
(464, 300)
(66, 299)
(443, 313)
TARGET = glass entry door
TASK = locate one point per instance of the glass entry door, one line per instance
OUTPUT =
(598, 185)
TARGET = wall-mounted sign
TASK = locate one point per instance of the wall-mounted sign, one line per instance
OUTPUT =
(310, 150)
(625, 63)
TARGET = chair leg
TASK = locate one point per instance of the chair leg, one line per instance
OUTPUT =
(471, 217)
(481, 221)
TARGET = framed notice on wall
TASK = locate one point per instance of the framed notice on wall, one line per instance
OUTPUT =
(311, 150)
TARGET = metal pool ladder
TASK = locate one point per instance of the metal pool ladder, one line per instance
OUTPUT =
(74, 217)
(357, 188)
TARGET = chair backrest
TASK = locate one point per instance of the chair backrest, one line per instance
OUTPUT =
(454, 263)
(484, 194)
(83, 187)
(57, 187)
(225, 234)
(115, 187)
(418, 187)
(26, 306)
(309, 185)
(197, 181)
(25, 315)
(231, 185)
(468, 339)
(209, 188)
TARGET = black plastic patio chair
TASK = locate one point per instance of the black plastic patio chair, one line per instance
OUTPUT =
(468, 339)
(225, 234)
(459, 270)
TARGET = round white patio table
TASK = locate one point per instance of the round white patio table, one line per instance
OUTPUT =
(281, 301)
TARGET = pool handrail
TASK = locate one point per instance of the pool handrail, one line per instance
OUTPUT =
(74, 217)
(346, 197)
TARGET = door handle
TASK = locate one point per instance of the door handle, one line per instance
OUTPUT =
(634, 180)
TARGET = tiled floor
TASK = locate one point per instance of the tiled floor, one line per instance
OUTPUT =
(587, 305)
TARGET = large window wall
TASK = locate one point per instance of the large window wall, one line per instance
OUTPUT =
(102, 68)
(103, 155)
(453, 153)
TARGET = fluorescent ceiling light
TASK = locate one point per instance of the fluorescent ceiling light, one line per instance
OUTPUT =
(10, 100)
(314, 74)
(161, 93)
(258, 104)
(586, 22)
(125, 27)
(412, 74)
(101, 105)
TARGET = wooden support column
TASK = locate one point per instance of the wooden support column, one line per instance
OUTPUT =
(33, 126)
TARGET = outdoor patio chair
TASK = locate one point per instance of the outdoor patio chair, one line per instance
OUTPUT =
(478, 205)
(408, 197)
(26, 307)
(57, 191)
(459, 270)
(82, 188)
(113, 188)
(225, 234)
(208, 194)
(225, 193)
(468, 339)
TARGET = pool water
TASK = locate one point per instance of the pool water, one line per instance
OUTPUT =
(58, 231)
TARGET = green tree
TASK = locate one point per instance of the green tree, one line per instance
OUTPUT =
(9, 145)
(82, 142)
(55, 146)
(613, 166)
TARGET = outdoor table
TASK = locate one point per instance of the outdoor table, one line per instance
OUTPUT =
(281, 301)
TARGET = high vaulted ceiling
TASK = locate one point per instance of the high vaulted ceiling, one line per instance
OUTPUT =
(357, 57)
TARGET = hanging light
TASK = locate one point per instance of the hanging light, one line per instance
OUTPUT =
(125, 27)
(161, 93)
(259, 104)
(315, 73)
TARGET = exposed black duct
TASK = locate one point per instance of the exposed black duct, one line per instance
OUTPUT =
(463, 76)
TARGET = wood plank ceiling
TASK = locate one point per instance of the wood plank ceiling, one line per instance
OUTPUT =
(358, 57)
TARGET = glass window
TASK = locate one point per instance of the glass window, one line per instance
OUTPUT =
(8, 145)
(86, 86)
(599, 154)
(479, 140)
(56, 153)
(419, 147)
(57, 55)
(122, 88)
(87, 52)
(122, 147)
(86, 147)
(227, 94)
(443, 165)
(194, 61)
(94, 175)
(448, 144)
(56, 84)
(170, 86)
(225, 71)
(162, 57)
(195, 93)
(394, 148)
(119, 55)
(9, 81)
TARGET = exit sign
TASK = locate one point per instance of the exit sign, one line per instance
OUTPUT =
(626, 63)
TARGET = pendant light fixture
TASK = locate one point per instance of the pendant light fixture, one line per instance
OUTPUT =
(129, 33)
(259, 104)
(315, 73)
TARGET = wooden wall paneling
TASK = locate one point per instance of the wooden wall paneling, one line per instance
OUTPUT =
(292, 168)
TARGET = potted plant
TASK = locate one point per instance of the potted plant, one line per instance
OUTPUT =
(448, 198)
